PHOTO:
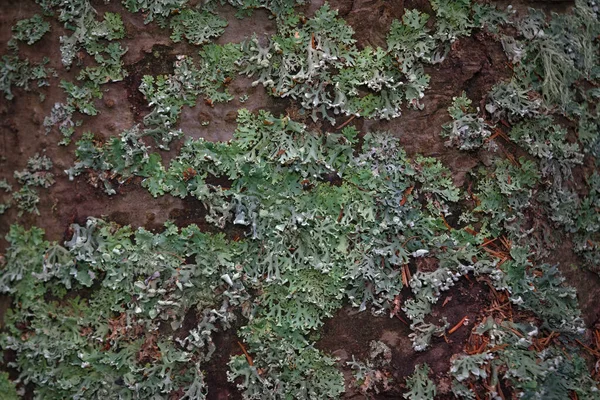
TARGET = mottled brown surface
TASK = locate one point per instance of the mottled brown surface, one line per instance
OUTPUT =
(149, 52)
(349, 333)
(585, 281)
(474, 65)
(371, 19)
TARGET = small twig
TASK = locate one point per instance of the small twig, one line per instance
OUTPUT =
(343, 125)
(503, 135)
(511, 158)
(592, 351)
(498, 254)
(356, 186)
(402, 319)
(546, 341)
(408, 240)
(445, 222)
(469, 279)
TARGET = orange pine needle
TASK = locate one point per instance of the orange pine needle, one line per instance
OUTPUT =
(497, 133)
(574, 396)
(445, 222)
(498, 347)
(471, 231)
(481, 348)
(401, 319)
(489, 241)
(590, 350)
(457, 326)
(404, 277)
(499, 391)
(407, 193)
(516, 332)
(506, 242)
(503, 135)
(472, 387)
(342, 126)
(408, 240)
(248, 358)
